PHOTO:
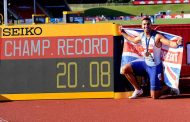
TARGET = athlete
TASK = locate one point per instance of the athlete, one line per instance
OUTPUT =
(151, 63)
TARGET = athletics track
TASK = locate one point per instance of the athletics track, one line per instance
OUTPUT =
(167, 109)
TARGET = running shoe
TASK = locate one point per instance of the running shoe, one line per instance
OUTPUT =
(174, 92)
(136, 94)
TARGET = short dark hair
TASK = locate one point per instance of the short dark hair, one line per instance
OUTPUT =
(146, 18)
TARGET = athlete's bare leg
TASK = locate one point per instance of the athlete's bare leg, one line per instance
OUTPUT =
(128, 72)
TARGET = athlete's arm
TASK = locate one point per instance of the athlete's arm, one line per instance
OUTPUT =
(132, 39)
(169, 43)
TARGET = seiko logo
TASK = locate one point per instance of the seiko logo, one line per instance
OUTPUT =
(22, 31)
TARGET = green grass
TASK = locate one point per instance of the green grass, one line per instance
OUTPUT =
(136, 10)
(149, 9)
(124, 10)
(157, 21)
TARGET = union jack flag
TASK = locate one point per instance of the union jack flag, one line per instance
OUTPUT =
(171, 57)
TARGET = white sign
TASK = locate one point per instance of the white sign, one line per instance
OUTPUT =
(186, 16)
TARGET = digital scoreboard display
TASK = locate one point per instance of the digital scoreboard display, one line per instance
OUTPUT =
(57, 61)
(73, 16)
(57, 64)
(56, 75)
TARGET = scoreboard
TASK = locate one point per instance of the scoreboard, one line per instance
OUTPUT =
(57, 61)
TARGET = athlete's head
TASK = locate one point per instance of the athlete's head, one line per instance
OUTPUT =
(146, 24)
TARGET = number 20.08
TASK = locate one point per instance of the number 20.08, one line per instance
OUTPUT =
(96, 70)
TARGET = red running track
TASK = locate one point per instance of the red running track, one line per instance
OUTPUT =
(168, 109)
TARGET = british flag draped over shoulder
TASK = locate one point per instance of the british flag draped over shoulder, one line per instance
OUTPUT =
(171, 57)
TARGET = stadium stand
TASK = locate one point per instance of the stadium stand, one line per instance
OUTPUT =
(23, 9)
(54, 9)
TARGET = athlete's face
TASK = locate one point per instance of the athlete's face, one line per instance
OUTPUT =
(146, 25)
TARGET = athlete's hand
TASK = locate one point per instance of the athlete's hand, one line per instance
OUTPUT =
(179, 41)
(120, 29)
